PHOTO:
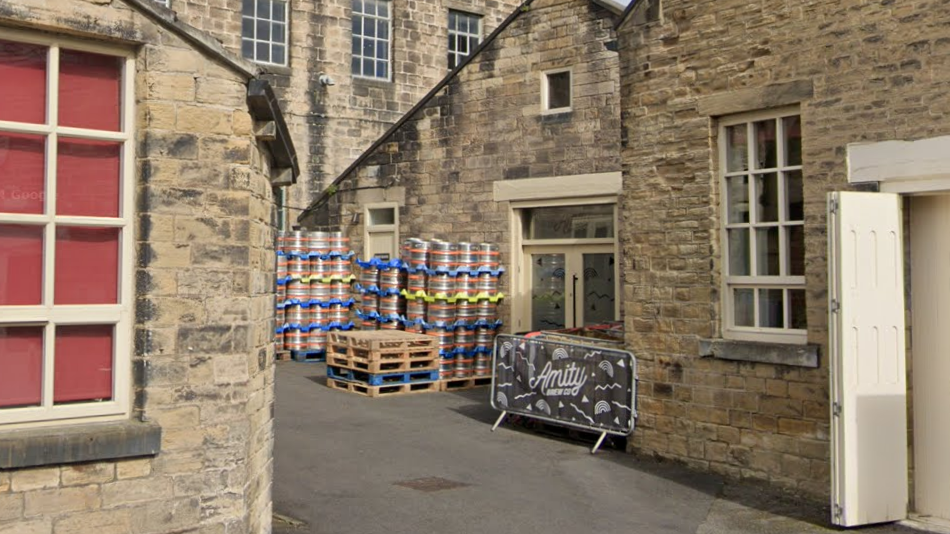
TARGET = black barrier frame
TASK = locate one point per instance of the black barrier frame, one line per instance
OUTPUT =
(549, 371)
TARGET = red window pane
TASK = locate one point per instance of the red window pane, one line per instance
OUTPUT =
(87, 180)
(21, 365)
(22, 82)
(21, 265)
(22, 162)
(89, 89)
(87, 265)
(83, 363)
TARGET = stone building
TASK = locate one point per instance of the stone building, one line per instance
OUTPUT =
(521, 139)
(346, 70)
(136, 245)
(739, 118)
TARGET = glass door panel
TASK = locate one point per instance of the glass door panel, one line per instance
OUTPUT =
(548, 291)
(598, 290)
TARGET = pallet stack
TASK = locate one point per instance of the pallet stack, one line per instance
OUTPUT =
(381, 363)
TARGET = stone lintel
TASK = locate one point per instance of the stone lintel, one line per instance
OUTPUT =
(756, 98)
(754, 351)
(80, 443)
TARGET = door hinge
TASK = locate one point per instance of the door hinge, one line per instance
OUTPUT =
(836, 409)
(833, 205)
(835, 306)
(838, 511)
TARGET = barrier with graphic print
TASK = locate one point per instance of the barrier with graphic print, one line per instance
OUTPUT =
(573, 384)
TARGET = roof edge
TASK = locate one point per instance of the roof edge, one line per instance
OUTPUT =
(613, 6)
(200, 39)
(327, 191)
(633, 6)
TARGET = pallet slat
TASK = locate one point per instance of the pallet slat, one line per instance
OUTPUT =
(385, 379)
(382, 391)
(382, 340)
(420, 362)
(453, 384)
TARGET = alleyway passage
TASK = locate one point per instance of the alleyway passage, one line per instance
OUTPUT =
(340, 460)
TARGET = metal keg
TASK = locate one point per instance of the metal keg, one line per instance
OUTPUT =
(484, 338)
(369, 277)
(279, 317)
(319, 290)
(318, 314)
(441, 283)
(318, 242)
(369, 303)
(442, 255)
(466, 256)
(465, 341)
(317, 340)
(369, 324)
(489, 256)
(466, 284)
(445, 337)
(482, 366)
(446, 368)
(282, 265)
(297, 314)
(338, 314)
(486, 309)
(390, 280)
(298, 265)
(440, 311)
(295, 242)
(415, 253)
(488, 283)
(298, 290)
(339, 242)
(390, 306)
(416, 282)
(463, 367)
(465, 311)
(319, 267)
(281, 293)
(296, 339)
(339, 267)
(339, 290)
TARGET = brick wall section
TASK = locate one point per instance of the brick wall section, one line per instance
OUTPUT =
(879, 71)
(203, 359)
(332, 126)
(487, 126)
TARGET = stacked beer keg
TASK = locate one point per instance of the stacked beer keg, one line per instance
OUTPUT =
(313, 290)
(448, 290)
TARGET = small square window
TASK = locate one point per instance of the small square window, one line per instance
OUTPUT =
(465, 32)
(556, 91)
(264, 31)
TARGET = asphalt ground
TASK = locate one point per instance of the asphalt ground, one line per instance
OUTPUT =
(428, 463)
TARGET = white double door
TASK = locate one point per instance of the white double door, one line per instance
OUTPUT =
(570, 285)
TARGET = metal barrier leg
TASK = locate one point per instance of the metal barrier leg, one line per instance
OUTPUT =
(600, 440)
(500, 419)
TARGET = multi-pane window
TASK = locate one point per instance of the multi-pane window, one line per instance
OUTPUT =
(371, 28)
(66, 242)
(763, 227)
(264, 31)
(556, 91)
(465, 32)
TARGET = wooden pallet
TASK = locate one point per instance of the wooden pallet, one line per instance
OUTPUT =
(454, 384)
(386, 379)
(282, 355)
(380, 341)
(389, 363)
(382, 391)
(309, 356)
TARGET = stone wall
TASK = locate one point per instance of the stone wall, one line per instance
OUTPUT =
(203, 357)
(860, 71)
(333, 125)
(487, 125)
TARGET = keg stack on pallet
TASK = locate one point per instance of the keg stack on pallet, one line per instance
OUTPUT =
(382, 363)
(314, 298)
(448, 291)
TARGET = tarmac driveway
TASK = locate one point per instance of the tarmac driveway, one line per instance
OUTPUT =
(428, 463)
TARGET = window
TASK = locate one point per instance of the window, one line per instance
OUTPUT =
(465, 32)
(763, 227)
(165, 3)
(381, 231)
(556, 91)
(264, 31)
(66, 243)
(371, 25)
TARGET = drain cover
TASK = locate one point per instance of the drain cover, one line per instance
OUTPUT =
(431, 484)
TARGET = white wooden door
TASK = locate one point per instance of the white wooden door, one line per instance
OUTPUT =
(930, 290)
(868, 381)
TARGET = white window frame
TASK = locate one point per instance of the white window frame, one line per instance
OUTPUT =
(46, 314)
(546, 109)
(784, 281)
(455, 35)
(270, 42)
(166, 3)
(389, 43)
(369, 229)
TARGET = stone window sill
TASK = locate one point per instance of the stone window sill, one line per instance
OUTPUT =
(758, 352)
(36, 447)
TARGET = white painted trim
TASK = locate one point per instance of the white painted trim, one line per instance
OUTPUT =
(545, 105)
(559, 187)
(369, 229)
(902, 166)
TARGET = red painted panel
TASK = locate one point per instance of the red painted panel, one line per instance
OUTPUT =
(21, 172)
(21, 265)
(21, 361)
(83, 365)
(23, 82)
(89, 90)
(87, 180)
(87, 265)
